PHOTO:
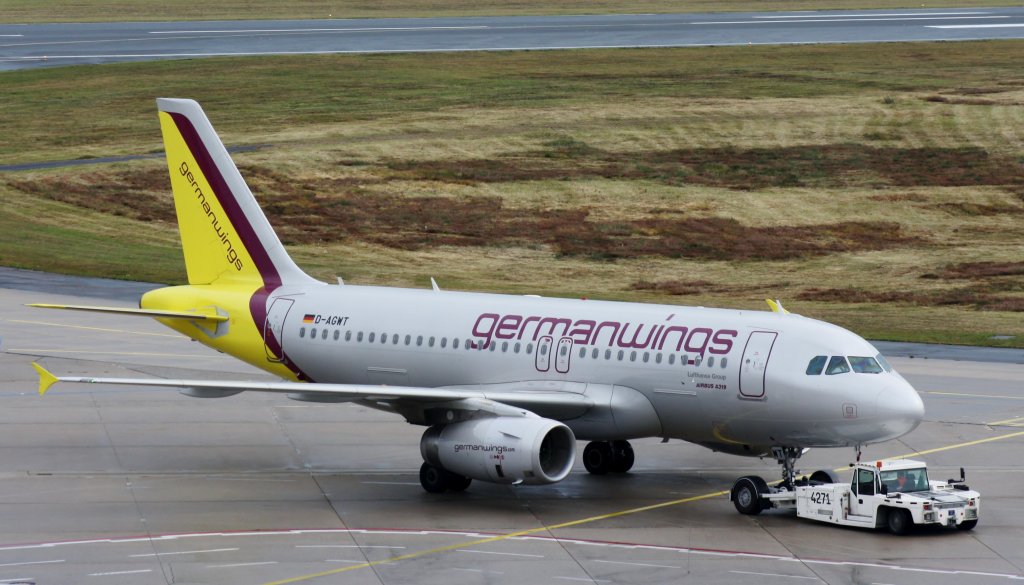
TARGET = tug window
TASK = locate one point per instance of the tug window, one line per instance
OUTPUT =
(816, 365)
(837, 365)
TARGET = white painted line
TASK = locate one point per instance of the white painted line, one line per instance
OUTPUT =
(637, 564)
(875, 14)
(31, 563)
(844, 20)
(241, 565)
(489, 552)
(185, 552)
(344, 561)
(305, 30)
(582, 579)
(478, 571)
(775, 575)
(12, 35)
(120, 573)
(1007, 25)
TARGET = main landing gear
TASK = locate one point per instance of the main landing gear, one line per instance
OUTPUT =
(436, 480)
(601, 457)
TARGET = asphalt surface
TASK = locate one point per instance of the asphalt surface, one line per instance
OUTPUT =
(43, 45)
(120, 485)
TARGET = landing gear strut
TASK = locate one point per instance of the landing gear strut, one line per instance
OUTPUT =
(786, 457)
(601, 457)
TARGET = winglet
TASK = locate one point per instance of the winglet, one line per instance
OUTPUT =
(776, 306)
(46, 379)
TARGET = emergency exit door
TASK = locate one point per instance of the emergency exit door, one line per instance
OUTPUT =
(755, 363)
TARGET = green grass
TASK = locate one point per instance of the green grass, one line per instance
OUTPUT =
(827, 176)
(27, 11)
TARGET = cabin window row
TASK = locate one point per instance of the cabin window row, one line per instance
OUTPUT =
(517, 347)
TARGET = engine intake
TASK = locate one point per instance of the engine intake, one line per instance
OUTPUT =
(502, 449)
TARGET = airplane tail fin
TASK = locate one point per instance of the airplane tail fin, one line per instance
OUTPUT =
(225, 236)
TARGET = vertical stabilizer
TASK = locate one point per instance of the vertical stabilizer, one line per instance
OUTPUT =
(225, 236)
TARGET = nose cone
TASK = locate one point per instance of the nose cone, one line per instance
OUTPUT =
(899, 408)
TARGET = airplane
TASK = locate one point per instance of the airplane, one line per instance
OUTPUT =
(505, 385)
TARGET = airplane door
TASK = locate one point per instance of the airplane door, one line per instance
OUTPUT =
(543, 358)
(563, 355)
(755, 362)
(273, 329)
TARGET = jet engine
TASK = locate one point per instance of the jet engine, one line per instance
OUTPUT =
(502, 449)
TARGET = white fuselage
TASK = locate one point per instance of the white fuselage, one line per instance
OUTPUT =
(730, 380)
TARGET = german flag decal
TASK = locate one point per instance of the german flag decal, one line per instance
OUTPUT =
(307, 319)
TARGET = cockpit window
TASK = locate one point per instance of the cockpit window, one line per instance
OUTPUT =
(881, 361)
(865, 365)
(837, 365)
(816, 365)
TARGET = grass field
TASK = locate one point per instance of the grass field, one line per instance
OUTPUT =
(877, 186)
(28, 11)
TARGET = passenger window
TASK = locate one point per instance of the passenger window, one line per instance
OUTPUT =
(430, 342)
(394, 339)
(865, 365)
(455, 344)
(493, 346)
(657, 358)
(647, 356)
(504, 346)
(312, 333)
(372, 337)
(837, 365)
(583, 352)
(444, 342)
(671, 359)
(564, 350)
(337, 334)
(816, 365)
(383, 337)
(517, 347)
(408, 339)
(359, 336)
(594, 353)
(324, 335)
(697, 360)
(419, 340)
(711, 361)
(621, 354)
(607, 354)
(543, 350)
(724, 360)
(684, 360)
(302, 331)
(348, 336)
(529, 348)
(632, 356)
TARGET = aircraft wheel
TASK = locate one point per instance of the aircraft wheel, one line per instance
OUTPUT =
(746, 495)
(622, 456)
(823, 476)
(458, 483)
(967, 525)
(597, 457)
(434, 479)
(898, 521)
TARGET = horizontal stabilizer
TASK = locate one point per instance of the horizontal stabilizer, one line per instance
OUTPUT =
(191, 316)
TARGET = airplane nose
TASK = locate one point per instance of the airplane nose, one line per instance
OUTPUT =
(901, 408)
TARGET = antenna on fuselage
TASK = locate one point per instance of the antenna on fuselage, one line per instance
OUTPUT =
(433, 285)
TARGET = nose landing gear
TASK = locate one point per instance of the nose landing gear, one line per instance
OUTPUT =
(602, 457)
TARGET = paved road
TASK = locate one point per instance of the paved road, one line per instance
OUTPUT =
(28, 46)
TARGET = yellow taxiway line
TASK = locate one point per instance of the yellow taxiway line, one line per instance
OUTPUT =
(974, 395)
(520, 533)
(87, 328)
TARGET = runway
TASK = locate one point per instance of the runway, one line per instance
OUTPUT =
(46, 45)
(118, 485)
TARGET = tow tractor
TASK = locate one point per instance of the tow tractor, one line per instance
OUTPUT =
(885, 494)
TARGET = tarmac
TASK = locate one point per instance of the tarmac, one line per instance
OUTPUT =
(120, 485)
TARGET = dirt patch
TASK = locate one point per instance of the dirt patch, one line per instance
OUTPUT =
(966, 270)
(141, 195)
(979, 298)
(747, 169)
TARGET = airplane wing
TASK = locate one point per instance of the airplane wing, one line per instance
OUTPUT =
(410, 401)
(210, 316)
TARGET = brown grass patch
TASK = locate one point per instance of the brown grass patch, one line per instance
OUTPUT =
(981, 270)
(143, 195)
(734, 168)
(974, 297)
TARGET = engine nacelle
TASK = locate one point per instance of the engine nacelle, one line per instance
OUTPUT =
(502, 449)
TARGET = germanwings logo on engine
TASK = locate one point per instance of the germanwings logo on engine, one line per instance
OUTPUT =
(699, 340)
